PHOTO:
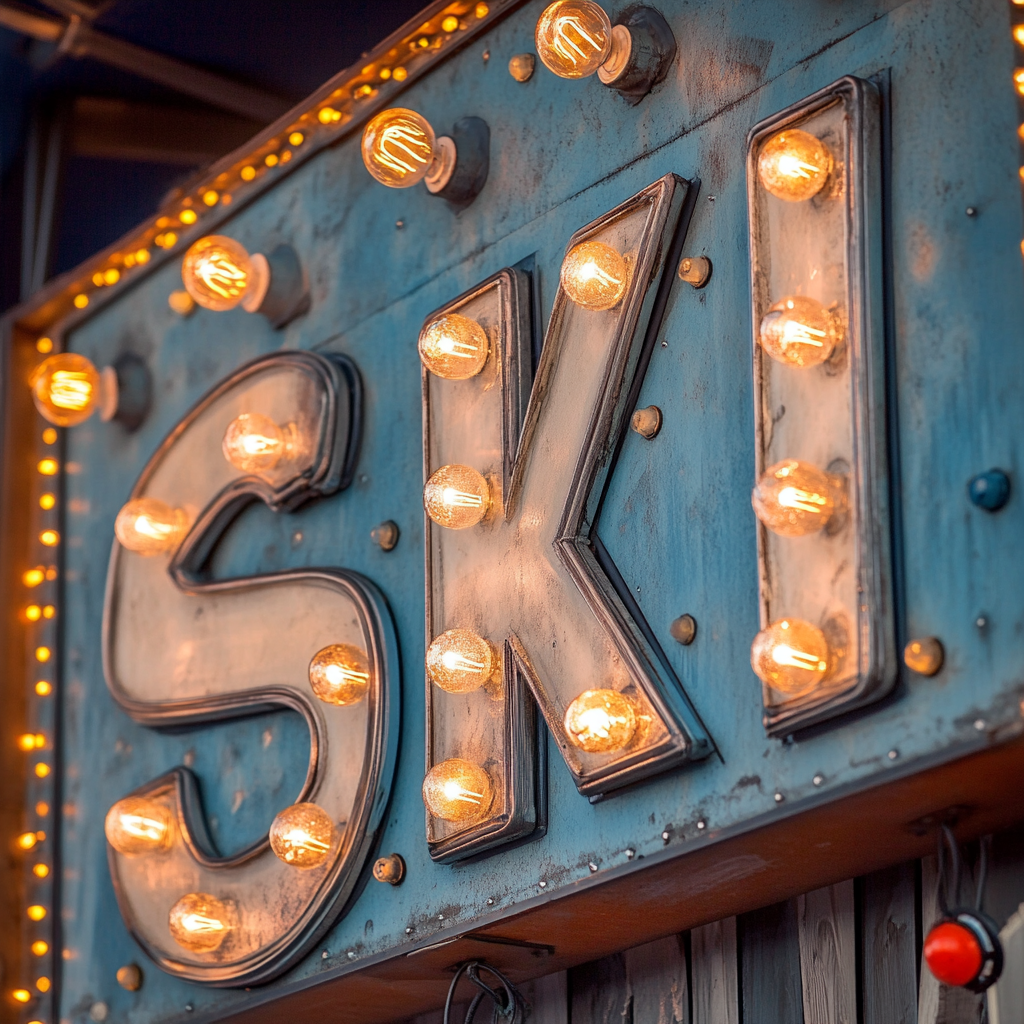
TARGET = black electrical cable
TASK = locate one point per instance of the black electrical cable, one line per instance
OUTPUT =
(509, 1006)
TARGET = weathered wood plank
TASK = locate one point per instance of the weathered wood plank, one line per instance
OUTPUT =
(713, 967)
(769, 944)
(548, 998)
(656, 974)
(1006, 996)
(828, 955)
(599, 992)
(890, 945)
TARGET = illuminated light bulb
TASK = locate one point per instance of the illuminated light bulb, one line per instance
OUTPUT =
(136, 825)
(453, 347)
(401, 74)
(150, 527)
(188, 216)
(210, 197)
(460, 661)
(456, 497)
(200, 922)
(80, 301)
(328, 115)
(49, 436)
(450, 24)
(340, 674)
(43, 984)
(40, 871)
(791, 656)
(1018, 34)
(43, 654)
(794, 498)
(600, 721)
(595, 275)
(67, 389)
(31, 741)
(800, 332)
(111, 276)
(50, 538)
(44, 345)
(42, 770)
(400, 149)
(22, 995)
(794, 165)
(457, 790)
(574, 38)
(42, 809)
(43, 688)
(247, 173)
(33, 577)
(301, 835)
(1018, 80)
(254, 443)
(271, 160)
(48, 467)
(219, 274)
(481, 10)
(296, 138)
(27, 841)
(47, 501)
(33, 613)
(36, 912)
(142, 256)
(40, 948)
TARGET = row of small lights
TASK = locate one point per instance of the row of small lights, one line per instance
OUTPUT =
(39, 616)
(336, 111)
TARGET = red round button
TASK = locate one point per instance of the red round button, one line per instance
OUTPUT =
(953, 953)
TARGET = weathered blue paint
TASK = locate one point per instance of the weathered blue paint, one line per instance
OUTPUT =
(677, 522)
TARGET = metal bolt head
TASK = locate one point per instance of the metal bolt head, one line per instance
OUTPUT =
(386, 535)
(647, 422)
(630, 853)
(593, 867)
(543, 885)
(701, 825)
(129, 977)
(818, 780)
(490, 901)
(893, 754)
(924, 656)
(409, 930)
(99, 1011)
(324, 955)
(684, 629)
(390, 869)
(971, 211)
(521, 66)
(979, 724)
(989, 490)
(351, 954)
(666, 835)
(695, 270)
(779, 798)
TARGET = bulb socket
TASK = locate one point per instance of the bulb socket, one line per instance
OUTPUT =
(279, 291)
(643, 47)
(128, 391)
(460, 171)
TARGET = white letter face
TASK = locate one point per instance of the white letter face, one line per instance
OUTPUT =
(533, 577)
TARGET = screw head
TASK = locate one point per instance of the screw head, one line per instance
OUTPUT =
(701, 825)
(971, 211)
(647, 422)
(324, 955)
(779, 798)
(593, 867)
(390, 869)
(989, 490)
(684, 629)
(666, 835)
(893, 755)
(490, 901)
(695, 270)
(99, 1010)
(385, 535)
(924, 655)
(818, 779)
(351, 954)
(129, 977)
(399, 224)
(409, 930)
(543, 885)
(630, 853)
(521, 66)
(979, 724)
(440, 917)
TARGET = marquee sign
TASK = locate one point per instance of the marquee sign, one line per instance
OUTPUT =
(546, 507)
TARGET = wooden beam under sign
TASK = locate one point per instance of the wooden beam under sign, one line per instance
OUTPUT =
(116, 129)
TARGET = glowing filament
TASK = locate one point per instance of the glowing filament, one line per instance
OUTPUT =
(148, 526)
(457, 790)
(200, 922)
(340, 674)
(66, 388)
(791, 656)
(799, 331)
(254, 443)
(600, 721)
(456, 497)
(460, 661)
(138, 825)
(574, 38)
(398, 147)
(594, 275)
(217, 272)
(794, 165)
(795, 498)
(453, 347)
(301, 835)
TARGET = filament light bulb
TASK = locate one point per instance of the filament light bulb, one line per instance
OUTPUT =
(799, 331)
(301, 835)
(457, 790)
(600, 721)
(794, 165)
(794, 498)
(27, 840)
(595, 275)
(791, 656)
(453, 347)
(460, 661)
(200, 922)
(456, 497)
(149, 527)
(67, 389)
(254, 443)
(573, 37)
(399, 147)
(340, 674)
(219, 274)
(137, 825)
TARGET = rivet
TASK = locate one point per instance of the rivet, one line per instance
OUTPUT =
(99, 1011)
(981, 622)
(779, 798)
(399, 224)
(989, 490)
(666, 835)
(297, 537)
(924, 656)
(129, 977)
(490, 901)
(647, 422)
(979, 724)
(701, 825)
(664, 344)
(390, 869)
(818, 779)
(893, 754)
(385, 535)
(971, 211)
(521, 66)
(684, 629)
(409, 930)
(486, 55)
(543, 885)
(189, 1007)
(440, 917)
(351, 954)
(593, 867)
(711, 199)
(630, 853)
(695, 270)
(325, 955)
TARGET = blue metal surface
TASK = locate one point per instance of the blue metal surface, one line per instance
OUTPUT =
(677, 520)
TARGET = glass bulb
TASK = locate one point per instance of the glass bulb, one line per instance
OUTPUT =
(456, 497)
(301, 835)
(457, 790)
(340, 674)
(794, 165)
(595, 275)
(217, 272)
(200, 922)
(791, 656)
(573, 37)
(794, 498)
(138, 825)
(453, 347)
(600, 721)
(798, 331)
(149, 527)
(254, 443)
(460, 661)
(66, 389)
(398, 147)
